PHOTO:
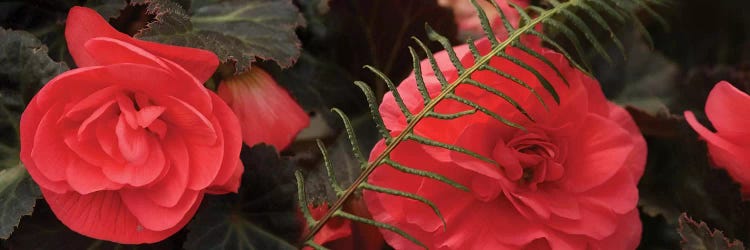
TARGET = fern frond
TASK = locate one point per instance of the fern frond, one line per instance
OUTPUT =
(418, 75)
(368, 186)
(371, 100)
(352, 136)
(563, 17)
(329, 169)
(380, 225)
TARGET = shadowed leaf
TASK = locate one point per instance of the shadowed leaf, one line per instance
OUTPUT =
(261, 216)
(237, 31)
(698, 236)
(24, 68)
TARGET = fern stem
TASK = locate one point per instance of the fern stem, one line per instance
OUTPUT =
(428, 108)
(315, 245)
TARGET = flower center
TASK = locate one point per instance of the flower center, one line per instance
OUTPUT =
(534, 159)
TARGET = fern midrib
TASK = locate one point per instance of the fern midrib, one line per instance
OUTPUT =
(427, 109)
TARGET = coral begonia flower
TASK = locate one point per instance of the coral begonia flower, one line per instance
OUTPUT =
(125, 146)
(567, 181)
(267, 113)
(728, 109)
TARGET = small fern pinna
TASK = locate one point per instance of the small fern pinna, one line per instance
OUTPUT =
(511, 86)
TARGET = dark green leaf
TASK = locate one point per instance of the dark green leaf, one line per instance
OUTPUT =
(238, 31)
(698, 236)
(24, 68)
(18, 194)
(647, 79)
(44, 19)
(679, 178)
(107, 8)
(262, 215)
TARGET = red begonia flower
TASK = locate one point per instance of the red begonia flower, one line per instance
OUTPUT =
(568, 181)
(267, 113)
(125, 147)
(728, 109)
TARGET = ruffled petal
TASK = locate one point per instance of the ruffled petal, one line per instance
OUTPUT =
(489, 232)
(228, 178)
(601, 150)
(637, 158)
(30, 120)
(102, 215)
(205, 163)
(595, 222)
(481, 139)
(623, 185)
(105, 51)
(551, 201)
(85, 178)
(195, 126)
(627, 236)
(84, 24)
(155, 217)
(168, 191)
(50, 154)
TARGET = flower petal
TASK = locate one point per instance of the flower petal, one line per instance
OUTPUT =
(600, 151)
(168, 191)
(84, 24)
(50, 154)
(230, 172)
(102, 215)
(268, 113)
(85, 178)
(155, 217)
(722, 109)
(626, 236)
(105, 51)
(185, 118)
(725, 153)
(30, 120)
(637, 158)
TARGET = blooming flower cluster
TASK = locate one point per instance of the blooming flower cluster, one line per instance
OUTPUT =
(125, 147)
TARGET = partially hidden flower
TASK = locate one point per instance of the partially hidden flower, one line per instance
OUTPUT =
(125, 146)
(728, 109)
(266, 111)
(339, 233)
(469, 24)
(567, 180)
